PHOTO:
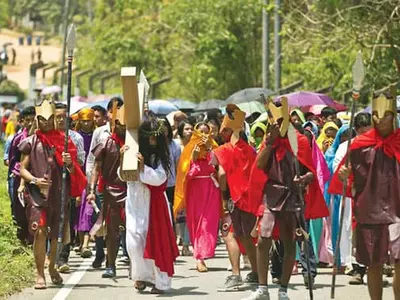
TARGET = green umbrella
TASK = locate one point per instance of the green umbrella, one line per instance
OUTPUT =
(252, 107)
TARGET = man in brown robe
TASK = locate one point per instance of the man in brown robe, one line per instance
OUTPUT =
(374, 176)
(107, 161)
(41, 167)
(282, 202)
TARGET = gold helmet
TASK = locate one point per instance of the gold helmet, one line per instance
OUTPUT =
(46, 109)
(383, 103)
(234, 119)
(282, 112)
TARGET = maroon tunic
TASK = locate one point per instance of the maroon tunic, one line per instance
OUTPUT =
(376, 186)
(37, 203)
(376, 189)
(281, 193)
(114, 188)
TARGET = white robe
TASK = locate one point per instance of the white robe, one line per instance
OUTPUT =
(346, 245)
(137, 224)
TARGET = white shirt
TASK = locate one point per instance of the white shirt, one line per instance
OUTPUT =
(77, 139)
(100, 134)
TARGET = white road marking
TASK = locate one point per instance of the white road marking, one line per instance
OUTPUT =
(72, 281)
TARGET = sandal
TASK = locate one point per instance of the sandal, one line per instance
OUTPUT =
(64, 268)
(56, 278)
(201, 267)
(86, 253)
(140, 285)
(156, 291)
(186, 251)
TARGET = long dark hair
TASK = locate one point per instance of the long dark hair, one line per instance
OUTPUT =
(169, 128)
(181, 126)
(151, 126)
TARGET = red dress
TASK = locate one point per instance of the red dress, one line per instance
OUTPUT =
(160, 241)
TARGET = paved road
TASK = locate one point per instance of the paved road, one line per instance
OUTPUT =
(86, 284)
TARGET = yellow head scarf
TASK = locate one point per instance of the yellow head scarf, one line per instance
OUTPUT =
(74, 117)
(85, 114)
(184, 165)
(322, 137)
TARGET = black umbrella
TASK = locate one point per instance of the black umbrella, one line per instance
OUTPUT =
(210, 104)
(248, 95)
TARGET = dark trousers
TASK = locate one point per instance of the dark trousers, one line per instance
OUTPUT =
(99, 239)
(170, 195)
(303, 260)
(278, 253)
(277, 260)
(66, 249)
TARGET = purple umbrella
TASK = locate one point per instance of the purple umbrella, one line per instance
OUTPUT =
(300, 99)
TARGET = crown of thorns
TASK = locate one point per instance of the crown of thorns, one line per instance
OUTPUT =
(156, 132)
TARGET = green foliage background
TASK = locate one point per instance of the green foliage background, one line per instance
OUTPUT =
(4, 17)
(212, 48)
(16, 261)
(11, 88)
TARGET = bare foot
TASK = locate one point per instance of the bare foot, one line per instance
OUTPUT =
(40, 283)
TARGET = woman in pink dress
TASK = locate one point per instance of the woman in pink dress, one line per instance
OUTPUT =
(201, 195)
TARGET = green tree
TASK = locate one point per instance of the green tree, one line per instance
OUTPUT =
(4, 17)
(212, 48)
(11, 88)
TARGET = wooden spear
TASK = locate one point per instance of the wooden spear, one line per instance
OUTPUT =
(358, 79)
(70, 48)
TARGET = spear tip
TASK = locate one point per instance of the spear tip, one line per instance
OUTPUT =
(358, 72)
(71, 37)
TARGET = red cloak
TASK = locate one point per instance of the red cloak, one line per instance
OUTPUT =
(55, 139)
(390, 145)
(315, 203)
(120, 142)
(237, 162)
(160, 241)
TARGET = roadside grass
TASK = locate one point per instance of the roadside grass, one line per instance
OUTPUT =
(16, 261)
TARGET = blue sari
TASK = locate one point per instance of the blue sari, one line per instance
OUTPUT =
(333, 201)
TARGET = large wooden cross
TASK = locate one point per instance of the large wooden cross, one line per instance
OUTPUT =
(135, 99)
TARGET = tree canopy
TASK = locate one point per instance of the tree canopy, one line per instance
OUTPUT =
(11, 88)
(212, 48)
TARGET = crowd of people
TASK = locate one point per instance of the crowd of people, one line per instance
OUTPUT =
(264, 186)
